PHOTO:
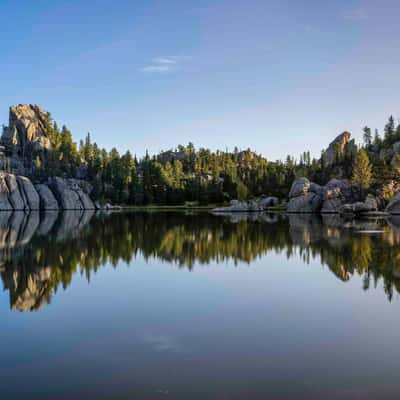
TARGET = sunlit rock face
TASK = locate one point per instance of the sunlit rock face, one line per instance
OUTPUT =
(342, 145)
(27, 130)
(17, 193)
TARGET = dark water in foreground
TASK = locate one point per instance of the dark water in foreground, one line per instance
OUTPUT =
(195, 306)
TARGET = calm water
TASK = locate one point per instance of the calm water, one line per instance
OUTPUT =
(196, 306)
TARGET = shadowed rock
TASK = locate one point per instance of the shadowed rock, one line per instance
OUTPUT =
(14, 195)
(47, 199)
(4, 194)
(70, 194)
(28, 192)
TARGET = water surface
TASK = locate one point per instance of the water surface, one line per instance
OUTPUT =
(197, 306)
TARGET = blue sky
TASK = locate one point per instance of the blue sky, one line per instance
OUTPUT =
(277, 76)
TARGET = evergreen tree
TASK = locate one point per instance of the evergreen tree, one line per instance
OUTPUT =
(362, 170)
(367, 136)
(389, 131)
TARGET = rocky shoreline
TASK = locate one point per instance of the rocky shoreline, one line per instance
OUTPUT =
(305, 197)
(19, 193)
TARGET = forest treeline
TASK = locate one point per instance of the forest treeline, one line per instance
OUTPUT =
(187, 174)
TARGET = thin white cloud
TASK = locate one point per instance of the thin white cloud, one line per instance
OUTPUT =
(156, 68)
(165, 60)
(357, 14)
(164, 64)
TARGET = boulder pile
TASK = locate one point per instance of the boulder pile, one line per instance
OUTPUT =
(337, 196)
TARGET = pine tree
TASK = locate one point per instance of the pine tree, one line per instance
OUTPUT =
(362, 170)
(367, 136)
(389, 131)
(377, 140)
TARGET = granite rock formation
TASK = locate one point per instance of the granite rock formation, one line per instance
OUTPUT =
(308, 197)
(341, 146)
(18, 193)
(27, 129)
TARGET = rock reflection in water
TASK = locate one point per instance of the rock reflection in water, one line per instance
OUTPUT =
(39, 253)
(25, 272)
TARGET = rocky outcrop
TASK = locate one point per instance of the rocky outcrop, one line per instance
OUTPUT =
(341, 146)
(18, 193)
(308, 197)
(261, 204)
(27, 130)
(70, 194)
(304, 197)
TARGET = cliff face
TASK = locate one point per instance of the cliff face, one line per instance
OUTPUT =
(27, 129)
(341, 146)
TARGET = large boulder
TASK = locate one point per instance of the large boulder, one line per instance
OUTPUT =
(47, 199)
(304, 197)
(299, 187)
(28, 193)
(14, 195)
(70, 194)
(301, 204)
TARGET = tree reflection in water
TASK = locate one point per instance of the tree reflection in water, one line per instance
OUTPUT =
(39, 253)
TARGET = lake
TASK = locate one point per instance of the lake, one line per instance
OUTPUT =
(185, 305)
